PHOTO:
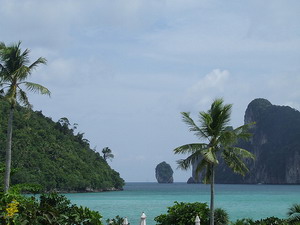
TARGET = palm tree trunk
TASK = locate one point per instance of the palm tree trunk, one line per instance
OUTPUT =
(212, 195)
(8, 150)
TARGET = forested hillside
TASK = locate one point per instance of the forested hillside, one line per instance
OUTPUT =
(51, 154)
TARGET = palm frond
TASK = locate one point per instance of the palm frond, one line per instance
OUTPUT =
(242, 131)
(24, 56)
(227, 138)
(210, 155)
(190, 148)
(19, 74)
(201, 166)
(295, 208)
(22, 97)
(190, 160)
(234, 162)
(205, 120)
(192, 126)
(39, 61)
(207, 176)
(221, 117)
(10, 95)
(243, 153)
(183, 164)
(37, 88)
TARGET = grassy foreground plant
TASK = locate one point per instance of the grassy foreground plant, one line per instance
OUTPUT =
(221, 141)
(294, 214)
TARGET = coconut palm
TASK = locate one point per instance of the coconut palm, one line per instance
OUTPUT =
(107, 153)
(221, 140)
(15, 68)
(294, 214)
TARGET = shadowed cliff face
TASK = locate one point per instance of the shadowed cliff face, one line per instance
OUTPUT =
(275, 143)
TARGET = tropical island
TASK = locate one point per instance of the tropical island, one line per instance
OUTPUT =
(164, 173)
(43, 155)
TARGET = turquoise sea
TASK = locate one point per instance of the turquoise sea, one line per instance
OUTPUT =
(240, 201)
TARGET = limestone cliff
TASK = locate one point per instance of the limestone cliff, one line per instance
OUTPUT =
(164, 173)
(275, 143)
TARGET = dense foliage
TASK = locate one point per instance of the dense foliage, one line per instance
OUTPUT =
(184, 213)
(118, 220)
(164, 173)
(52, 155)
(266, 221)
(51, 209)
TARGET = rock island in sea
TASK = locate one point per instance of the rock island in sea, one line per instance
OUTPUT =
(164, 173)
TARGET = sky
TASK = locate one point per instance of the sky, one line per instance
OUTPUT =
(124, 70)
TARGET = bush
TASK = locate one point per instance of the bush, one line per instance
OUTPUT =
(52, 209)
(271, 220)
(244, 221)
(115, 221)
(184, 214)
(266, 221)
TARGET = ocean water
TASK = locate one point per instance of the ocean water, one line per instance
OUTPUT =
(240, 201)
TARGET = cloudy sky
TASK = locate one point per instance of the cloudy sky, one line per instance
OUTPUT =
(125, 69)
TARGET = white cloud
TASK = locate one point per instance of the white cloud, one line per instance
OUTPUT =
(200, 94)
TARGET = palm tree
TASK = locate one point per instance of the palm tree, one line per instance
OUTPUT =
(107, 153)
(221, 143)
(15, 68)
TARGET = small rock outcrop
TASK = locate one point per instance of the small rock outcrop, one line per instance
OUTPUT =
(164, 173)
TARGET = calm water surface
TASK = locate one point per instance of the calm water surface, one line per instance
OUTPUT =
(240, 201)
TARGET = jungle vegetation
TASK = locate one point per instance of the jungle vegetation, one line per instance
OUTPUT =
(51, 154)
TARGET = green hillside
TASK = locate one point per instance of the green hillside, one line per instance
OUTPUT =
(51, 154)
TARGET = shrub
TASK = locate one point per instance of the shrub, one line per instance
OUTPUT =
(50, 209)
(244, 221)
(266, 221)
(271, 220)
(184, 214)
(115, 221)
